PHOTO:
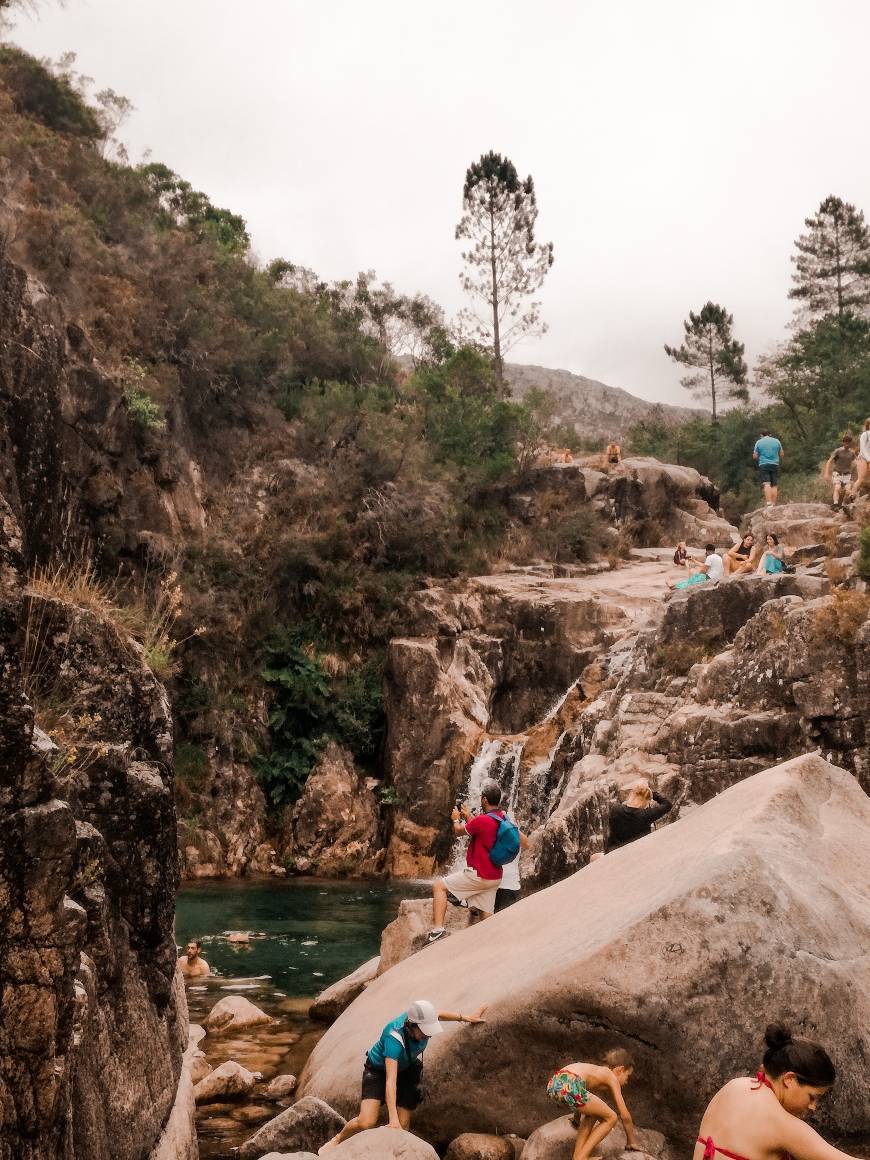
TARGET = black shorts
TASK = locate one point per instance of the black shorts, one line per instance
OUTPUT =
(769, 473)
(409, 1092)
(505, 898)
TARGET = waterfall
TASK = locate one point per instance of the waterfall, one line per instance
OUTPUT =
(499, 760)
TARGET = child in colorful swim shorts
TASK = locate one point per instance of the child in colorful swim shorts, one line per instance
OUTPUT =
(574, 1085)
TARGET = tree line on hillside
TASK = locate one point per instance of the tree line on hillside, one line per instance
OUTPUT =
(814, 387)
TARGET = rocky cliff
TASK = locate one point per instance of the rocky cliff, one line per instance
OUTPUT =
(94, 1020)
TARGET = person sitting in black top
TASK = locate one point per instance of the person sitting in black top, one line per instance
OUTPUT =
(635, 818)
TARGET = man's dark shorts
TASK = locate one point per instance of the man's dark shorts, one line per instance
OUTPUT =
(769, 473)
(505, 898)
(408, 1089)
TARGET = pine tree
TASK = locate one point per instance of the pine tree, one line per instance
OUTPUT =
(710, 347)
(832, 272)
(504, 264)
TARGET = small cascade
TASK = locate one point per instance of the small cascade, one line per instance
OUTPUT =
(497, 759)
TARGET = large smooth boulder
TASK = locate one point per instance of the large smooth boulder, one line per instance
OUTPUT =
(228, 1081)
(384, 1144)
(234, 1013)
(330, 1003)
(679, 947)
(307, 1125)
(409, 930)
(556, 1139)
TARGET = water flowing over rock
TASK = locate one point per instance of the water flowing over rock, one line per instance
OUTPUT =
(747, 908)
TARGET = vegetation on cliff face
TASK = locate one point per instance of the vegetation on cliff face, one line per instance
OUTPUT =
(331, 476)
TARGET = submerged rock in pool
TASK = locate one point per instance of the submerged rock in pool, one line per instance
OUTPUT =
(233, 1013)
(251, 1114)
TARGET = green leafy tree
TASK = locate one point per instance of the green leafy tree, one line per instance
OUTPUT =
(504, 263)
(832, 265)
(715, 355)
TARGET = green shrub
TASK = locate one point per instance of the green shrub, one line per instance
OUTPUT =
(140, 406)
(39, 93)
(316, 696)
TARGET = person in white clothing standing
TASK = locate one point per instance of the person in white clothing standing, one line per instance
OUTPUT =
(863, 455)
(510, 890)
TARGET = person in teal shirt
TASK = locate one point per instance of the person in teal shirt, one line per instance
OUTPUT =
(393, 1068)
(768, 454)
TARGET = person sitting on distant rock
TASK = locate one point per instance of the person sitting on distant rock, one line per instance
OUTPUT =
(573, 1085)
(756, 1119)
(392, 1072)
(772, 558)
(712, 570)
(192, 965)
(739, 558)
(768, 454)
(681, 554)
(478, 883)
(839, 468)
(613, 453)
(637, 816)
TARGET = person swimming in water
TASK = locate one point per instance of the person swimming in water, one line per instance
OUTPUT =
(573, 1086)
(762, 1118)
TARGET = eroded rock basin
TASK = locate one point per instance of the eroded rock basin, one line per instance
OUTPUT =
(316, 932)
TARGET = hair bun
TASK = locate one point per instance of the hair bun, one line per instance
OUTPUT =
(777, 1036)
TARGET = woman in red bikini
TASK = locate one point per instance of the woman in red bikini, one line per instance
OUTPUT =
(762, 1118)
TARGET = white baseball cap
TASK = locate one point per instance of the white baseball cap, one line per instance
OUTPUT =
(425, 1015)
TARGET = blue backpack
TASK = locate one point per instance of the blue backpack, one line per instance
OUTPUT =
(507, 842)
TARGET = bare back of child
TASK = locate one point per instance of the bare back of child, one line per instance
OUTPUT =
(576, 1086)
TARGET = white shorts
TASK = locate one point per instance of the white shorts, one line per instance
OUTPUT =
(841, 479)
(468, 886)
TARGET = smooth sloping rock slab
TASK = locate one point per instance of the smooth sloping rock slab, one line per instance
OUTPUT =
(330, 1003)
(679, 947)
(384, 1144)
(307, 1125)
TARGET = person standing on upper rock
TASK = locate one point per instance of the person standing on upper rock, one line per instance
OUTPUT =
(761, 1118)
(636, 818)
(839, 465)
(768, 454)
(478, 883)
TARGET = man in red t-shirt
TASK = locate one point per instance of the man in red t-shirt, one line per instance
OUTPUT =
(478, 883)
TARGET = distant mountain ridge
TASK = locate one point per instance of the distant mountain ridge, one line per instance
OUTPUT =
(595, 410)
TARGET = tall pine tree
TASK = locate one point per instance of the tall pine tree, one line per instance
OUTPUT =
(504, 264)
(717, 357)
(832, 265)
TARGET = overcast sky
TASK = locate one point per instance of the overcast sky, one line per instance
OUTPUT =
(676, 146)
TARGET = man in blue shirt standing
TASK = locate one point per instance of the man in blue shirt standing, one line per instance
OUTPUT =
(768, 455)
(393, 1068)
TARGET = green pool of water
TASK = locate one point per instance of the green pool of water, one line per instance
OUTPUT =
(316, 932)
